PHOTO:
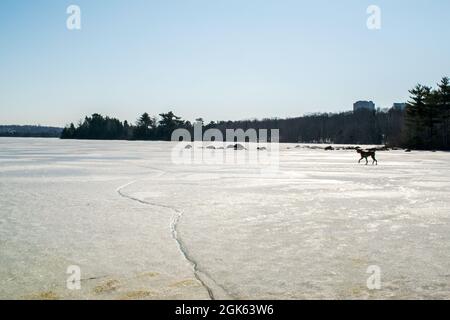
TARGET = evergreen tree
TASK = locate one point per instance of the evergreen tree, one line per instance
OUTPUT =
(68, 132)
(416, 115)
(443, 104)
(167, 124)
(145, 127)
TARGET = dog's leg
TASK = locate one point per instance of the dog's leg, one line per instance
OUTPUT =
(374, 160)
(360, 159)
(367, 161)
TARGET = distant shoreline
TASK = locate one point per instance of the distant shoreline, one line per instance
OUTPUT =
(30, 131)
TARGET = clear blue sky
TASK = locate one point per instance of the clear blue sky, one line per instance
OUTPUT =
(217, 59)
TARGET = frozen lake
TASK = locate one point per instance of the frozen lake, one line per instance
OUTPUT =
(140, 226)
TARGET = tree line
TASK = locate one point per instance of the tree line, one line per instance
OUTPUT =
(427, 117)
(146, 127)
(423, 124)
(29, 131)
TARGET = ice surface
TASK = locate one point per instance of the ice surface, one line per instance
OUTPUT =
(143, 227)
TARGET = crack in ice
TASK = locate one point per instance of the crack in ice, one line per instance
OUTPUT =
(175, 235)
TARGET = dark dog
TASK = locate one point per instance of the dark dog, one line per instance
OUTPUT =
(365, 154)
